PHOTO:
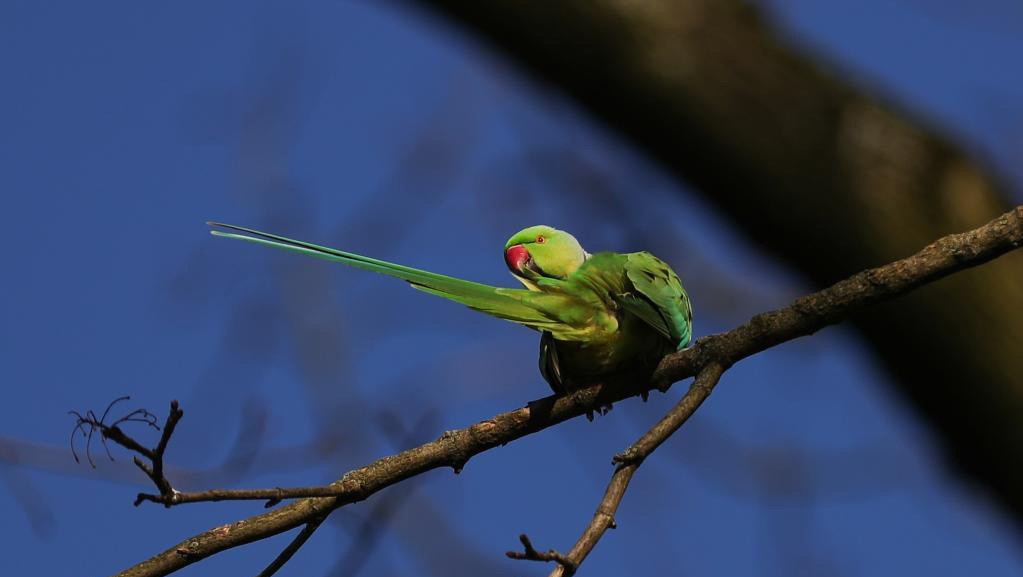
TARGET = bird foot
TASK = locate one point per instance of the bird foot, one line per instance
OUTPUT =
(603, 410)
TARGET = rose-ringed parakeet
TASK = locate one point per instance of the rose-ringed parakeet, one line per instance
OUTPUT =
(599, 314)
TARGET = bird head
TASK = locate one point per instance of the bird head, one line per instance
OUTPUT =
(543, 251)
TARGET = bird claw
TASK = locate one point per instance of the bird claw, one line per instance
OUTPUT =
(601, 410)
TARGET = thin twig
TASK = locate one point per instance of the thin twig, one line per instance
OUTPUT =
(292, 548)
(627, 462)
(168, 496)
(803, 317)
(272, 496)
(529, 553)
(155, 456)
(88, 423)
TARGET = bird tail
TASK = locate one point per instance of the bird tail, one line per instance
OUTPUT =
(529, 308)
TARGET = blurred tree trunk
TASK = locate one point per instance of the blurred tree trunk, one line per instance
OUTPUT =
(826, 177)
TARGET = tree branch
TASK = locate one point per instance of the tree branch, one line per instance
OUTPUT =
(626, 464)
(454, 448)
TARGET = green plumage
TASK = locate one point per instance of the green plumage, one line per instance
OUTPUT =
(600, 314)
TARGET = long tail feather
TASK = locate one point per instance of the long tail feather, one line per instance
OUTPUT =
(521, 306)
(406, 273)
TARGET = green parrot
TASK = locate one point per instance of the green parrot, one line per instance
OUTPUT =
(599, 314)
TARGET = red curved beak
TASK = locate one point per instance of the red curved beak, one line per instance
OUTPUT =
(516, 257)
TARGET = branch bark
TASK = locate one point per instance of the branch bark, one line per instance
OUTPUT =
(454, 448)
(812, 168)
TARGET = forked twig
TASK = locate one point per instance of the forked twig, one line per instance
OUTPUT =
(529, 553)
(88, 425)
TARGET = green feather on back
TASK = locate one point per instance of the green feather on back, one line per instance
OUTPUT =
(666, 306)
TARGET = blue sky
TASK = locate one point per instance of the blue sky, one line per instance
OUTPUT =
(366, 126)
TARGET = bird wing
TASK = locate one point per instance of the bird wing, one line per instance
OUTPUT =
(661, 303)
(537, 310)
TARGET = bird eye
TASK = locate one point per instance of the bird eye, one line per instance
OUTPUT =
(540, 239)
